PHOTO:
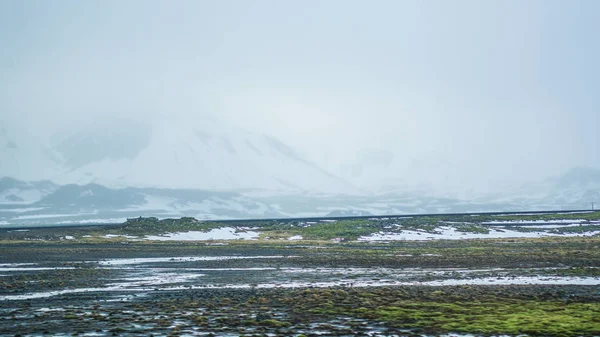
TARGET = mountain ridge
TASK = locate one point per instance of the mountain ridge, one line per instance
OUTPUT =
(170, 153)
(43, 202)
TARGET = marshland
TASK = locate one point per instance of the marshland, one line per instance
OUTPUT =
(450, 275)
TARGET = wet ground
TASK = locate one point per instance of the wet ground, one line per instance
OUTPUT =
(492, 287)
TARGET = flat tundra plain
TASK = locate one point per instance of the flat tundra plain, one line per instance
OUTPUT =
(459, 275)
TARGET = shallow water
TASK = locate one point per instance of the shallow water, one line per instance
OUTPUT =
(145, 275)
(113, 262)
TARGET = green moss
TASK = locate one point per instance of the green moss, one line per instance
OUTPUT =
(497, 317)
(471, 228)
(152, 225)
(574, 271)
(576, 229)
(273, 323)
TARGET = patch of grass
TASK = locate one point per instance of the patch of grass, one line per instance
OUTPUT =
(348, 229)
(576, 229)
(471, 228)
(273, 323)
(574, 271)
(525, 317)
(152, 225)
(488, 316)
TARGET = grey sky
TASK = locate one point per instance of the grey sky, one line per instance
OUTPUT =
(468, 91)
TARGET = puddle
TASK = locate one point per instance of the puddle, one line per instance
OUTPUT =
(159, 278)
(142, 278)
(153, 283)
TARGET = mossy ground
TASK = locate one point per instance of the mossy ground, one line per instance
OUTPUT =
(391, 311)
(349, 229)
(409, 310)
(441, 311)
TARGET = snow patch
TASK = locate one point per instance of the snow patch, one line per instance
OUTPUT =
(224, 233)
(450, 233)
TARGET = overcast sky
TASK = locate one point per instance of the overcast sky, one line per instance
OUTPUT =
(469, 91)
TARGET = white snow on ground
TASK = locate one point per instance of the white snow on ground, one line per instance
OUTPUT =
(225, 233)
(50, 309)
(504, 222)
(184, 259)
(295, 237)
(131, 286)
(146, 278)
(110, 236)
(557, 226)
(450, 233)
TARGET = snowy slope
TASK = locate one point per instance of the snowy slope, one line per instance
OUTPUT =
(13, 191)
(172, 153)
(23, 203)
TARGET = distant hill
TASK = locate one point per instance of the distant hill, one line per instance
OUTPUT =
(172, 153)
(43, 202)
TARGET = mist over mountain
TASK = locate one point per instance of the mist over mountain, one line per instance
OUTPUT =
(169, 153)
(297, 108)
(25, 155)
(578, 188)
(44, 202)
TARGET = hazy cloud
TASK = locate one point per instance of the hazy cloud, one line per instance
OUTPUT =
(466, 93)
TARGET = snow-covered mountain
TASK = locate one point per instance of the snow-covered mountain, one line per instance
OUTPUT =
(578, 188)
(42, 202)
(211, 169)
(17, 192)
(23, 203)
(170, 153)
